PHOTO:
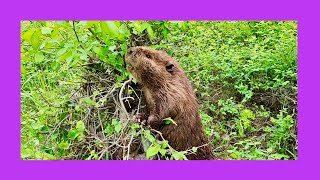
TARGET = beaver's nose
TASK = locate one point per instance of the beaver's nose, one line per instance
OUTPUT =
(130, 51)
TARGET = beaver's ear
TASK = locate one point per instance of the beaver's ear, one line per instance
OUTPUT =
(170, 67)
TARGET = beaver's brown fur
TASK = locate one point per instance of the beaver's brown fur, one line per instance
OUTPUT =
(168, 93)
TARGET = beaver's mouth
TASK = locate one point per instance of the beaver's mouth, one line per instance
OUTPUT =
(129, 67)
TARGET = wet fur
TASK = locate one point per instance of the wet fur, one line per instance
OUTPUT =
(168, 93)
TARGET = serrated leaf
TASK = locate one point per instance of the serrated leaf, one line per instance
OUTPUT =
(38, 57)
(109, 27)
(134, 126)
(89, 101)
(23, 70)
(55, 66)
(77, 108)
(89, 24)
(152, 150)
(27, 35)
(97, 50)
(46, 30)
(144, 26)
(109, 129)
(112, 48)
(194, 149)
(150, 32)
(37, 126)
(162, 152)
(118, 127)
(124, 30)
(137, 27)
(73, 134)
(80, 126)
(148, 136)
(164, 144)
(61, 51)
(63, 145)
(35, 40)
(179, 156)
(47, 156)
(66, 55)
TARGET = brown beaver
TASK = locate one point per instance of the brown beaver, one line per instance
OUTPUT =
(168, 93)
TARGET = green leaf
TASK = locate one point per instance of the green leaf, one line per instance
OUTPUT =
(148, 136)
(152, 150)
(134, 126)
(169, 121)
(109, 129)
(179, 156)
(47, 156)
(162, 152)
(137, 27)
(89, 24)
(37, 125)
(118, 127)
(109, 27)
(27, 35)
(23, 70)
(150, 32)
(112, 48)
(63, 145)
(124, 30)
(77, 108)
(89, 101)
(194, 149)
(35, 40)
(61, 51)
(38, 57)
(46, 30)
(66, 55)
(55, 66)
(80, 126)
(73, 134)
(144, 26)
(246, 116)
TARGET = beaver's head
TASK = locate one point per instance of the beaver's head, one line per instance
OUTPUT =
(148, 65)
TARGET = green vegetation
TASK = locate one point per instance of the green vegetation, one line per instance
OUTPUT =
(74, 87)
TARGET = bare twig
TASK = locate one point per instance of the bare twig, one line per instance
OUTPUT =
(121, 98)
(128, 153)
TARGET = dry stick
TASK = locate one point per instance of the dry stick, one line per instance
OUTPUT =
(129, 146)
(121, 98)
(123, 106)
(104, 137)
(113, 89)
(103, 152)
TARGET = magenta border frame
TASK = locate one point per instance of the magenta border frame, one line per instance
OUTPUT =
(308, 88)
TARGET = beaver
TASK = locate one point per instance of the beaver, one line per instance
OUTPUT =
(168, 93)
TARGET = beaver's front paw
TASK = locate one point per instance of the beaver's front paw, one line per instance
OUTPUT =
(141, 118)
(153, 122)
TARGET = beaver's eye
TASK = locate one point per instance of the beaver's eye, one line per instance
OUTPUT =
(148, 56)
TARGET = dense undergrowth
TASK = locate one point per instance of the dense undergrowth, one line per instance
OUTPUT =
(77, 102)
